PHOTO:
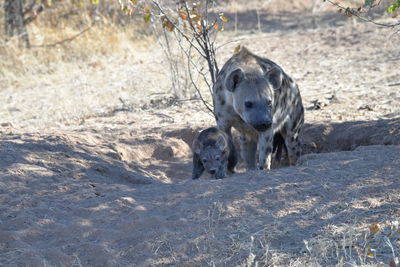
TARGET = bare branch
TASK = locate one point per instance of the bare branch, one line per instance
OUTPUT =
(29, 9)
(189, 57)
(355, 13)
(206, 104)
(31, 18)
(64, 40)
(15, 37)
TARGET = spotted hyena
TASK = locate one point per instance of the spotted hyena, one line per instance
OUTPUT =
(214, 152)
(256, 97)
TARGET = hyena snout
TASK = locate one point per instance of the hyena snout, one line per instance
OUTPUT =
(263, 126)
(212, 171)
(259, 118)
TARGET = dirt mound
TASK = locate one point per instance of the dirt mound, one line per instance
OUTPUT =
(58, 157)
(328, 137)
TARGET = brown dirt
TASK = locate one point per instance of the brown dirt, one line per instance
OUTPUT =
(95, 166)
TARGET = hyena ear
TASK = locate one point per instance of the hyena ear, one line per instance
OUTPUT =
(221, 143)
(197, 146)
(274, 76)
(233, 79)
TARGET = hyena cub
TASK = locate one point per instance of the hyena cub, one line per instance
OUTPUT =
(214, 152)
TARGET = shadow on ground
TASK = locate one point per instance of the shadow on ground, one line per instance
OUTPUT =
(73, 199)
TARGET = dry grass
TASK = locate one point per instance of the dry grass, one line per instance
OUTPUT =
(68, 34)
(105, 59)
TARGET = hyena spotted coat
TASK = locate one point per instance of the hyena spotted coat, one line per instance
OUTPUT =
(256, 97)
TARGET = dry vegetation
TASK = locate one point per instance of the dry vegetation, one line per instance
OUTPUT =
(95, 148)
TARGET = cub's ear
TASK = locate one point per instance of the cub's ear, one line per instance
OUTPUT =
(197, 146)
(274, 76)
(233, 79)
(221, 143)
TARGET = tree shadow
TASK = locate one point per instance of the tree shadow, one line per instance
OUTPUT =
(56, 196)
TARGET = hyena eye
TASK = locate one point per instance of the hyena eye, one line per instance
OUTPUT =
(248, 104)
(204, 160)
(269, 102)
(217, 158)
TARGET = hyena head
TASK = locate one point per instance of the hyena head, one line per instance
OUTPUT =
(253, 95)
(211, 154)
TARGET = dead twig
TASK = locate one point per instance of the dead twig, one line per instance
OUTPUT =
(65, 40)
(206, 104)
(353, 12)
(394, 84)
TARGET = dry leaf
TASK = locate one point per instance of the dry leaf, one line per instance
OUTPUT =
(374, 228)
(223, 18)
(183, 14)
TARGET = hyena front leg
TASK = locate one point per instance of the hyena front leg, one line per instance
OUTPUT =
(249, 150)
(265, 143)
(293, 144)
(198, 167)
(232, 160)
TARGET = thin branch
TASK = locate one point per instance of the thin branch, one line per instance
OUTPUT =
(355, 13)
(394, 84)
(31, 18)
(29, 9)
(64, 40)
(189, 57)
(200, 72)
(4, 44)
(206, 104)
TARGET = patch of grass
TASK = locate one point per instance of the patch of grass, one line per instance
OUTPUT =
(66, 34)
(375, 245)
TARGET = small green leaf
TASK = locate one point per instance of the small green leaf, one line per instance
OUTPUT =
(393, 7)
(146, 17)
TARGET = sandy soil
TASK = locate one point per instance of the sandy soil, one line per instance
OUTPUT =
(95, 161)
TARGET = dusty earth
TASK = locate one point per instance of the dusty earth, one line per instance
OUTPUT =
(95, 160)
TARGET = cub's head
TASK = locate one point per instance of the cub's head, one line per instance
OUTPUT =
(253, 95)
(211, 153)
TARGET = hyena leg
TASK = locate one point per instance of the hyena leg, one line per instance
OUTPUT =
(265, 143)
(293, 144)
(249, 149)
(223, 126)
(198, 167)
(232, 160)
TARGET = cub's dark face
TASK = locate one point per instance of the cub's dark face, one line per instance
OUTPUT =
(253, 96)
(212, 155)
(211, 158)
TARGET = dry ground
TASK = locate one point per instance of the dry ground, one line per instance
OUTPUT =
(95, 159)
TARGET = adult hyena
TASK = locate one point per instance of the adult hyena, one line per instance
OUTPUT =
(256, 97)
